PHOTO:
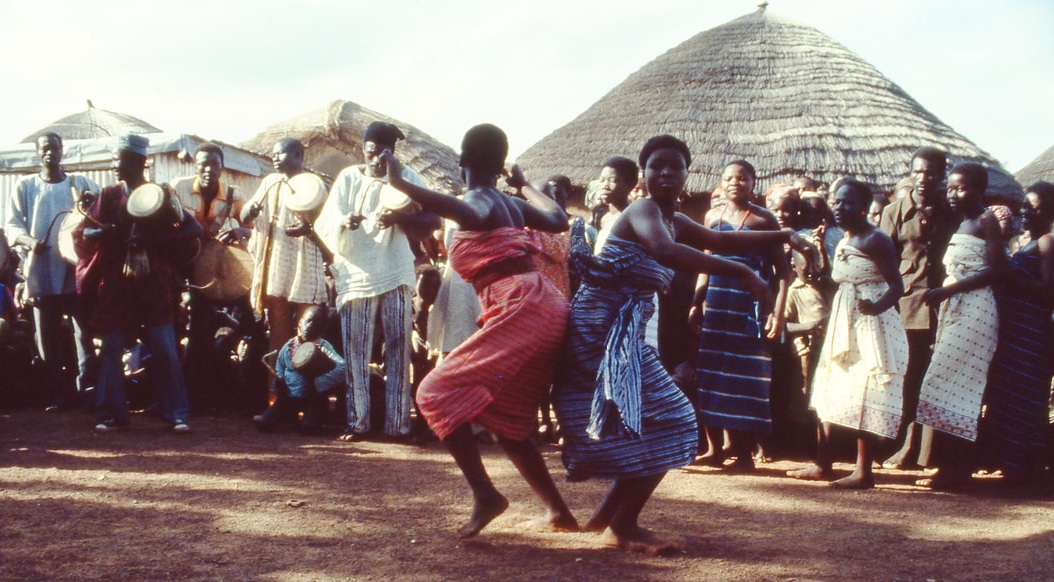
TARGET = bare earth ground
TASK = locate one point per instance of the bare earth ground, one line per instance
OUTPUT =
(227, 503)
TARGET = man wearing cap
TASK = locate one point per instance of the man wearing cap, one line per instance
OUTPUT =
(125, 288)
(37, 207)
(216, 206)
(373, 269)
(289, 268)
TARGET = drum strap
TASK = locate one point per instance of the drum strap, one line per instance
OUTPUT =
(271, 202)
(73, 190)
(224, 214)
(373, 186)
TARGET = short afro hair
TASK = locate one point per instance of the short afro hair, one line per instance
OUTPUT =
(1045, 191)
(975, 174)
(624, 167)
(746, 166)
(660, 142)
(49, 135)
(932, 154)
(561, 180)
(210, 148)
(484, 148)
(858, 190)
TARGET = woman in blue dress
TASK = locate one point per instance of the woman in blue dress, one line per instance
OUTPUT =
(623, 417)
(734, 359)
(1012, 432)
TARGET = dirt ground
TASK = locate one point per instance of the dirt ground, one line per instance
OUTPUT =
(227, 503)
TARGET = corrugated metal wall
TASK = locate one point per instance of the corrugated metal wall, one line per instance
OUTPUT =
(161, 168)
(167, 167)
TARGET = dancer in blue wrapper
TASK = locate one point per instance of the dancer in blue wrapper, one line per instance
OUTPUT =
(623, 417)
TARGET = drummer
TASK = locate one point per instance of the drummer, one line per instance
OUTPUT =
(289, 268)
(125, 288)
(373, 270)
(38, 205)
(216, 205)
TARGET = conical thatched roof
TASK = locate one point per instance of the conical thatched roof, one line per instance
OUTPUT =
(1041, 168)
(94, 123)
(782, 95)
(333, 138)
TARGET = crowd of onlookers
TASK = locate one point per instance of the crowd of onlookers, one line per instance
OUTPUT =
(351, 301)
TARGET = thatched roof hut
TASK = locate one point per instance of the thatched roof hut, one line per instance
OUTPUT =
(780, 94)
(94, 123)
(1041, 168)
(333, 138)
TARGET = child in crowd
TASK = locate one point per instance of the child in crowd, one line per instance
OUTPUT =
(874, 213)
(807, 310)
(304, 385)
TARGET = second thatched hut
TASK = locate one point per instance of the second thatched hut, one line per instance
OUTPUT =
(780, 94)
(1041, 168)
(333, 138)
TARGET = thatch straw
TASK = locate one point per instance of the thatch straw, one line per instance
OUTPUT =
(1041, 168)
(94, 123)
(333, 138)
(780, 94)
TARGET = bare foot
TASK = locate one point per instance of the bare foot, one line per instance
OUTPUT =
(944, 481)
(555, 522)
(854, 481)
(483, 512)
(709, 460)
(899, 463)
(741, 465)
(642, 541)
(596, 525)
(812, 473)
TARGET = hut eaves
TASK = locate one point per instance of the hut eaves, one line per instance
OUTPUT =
(1041, 168)
(332, 136)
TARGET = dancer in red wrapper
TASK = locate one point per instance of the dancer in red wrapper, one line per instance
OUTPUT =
(498, 377)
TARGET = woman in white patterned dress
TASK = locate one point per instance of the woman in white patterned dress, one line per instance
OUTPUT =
(859, 381)
(967, 329)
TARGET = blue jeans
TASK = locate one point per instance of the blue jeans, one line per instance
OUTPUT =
(164, 370)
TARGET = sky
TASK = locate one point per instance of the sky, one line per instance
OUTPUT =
(226, 70)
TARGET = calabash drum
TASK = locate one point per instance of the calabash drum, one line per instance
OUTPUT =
(154, 207)
(67, 249)
(305, 196)
(309, 360)
(395, 201)
(222, 272)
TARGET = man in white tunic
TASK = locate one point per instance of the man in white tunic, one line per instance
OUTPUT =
(35, 211)
(373, 270)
